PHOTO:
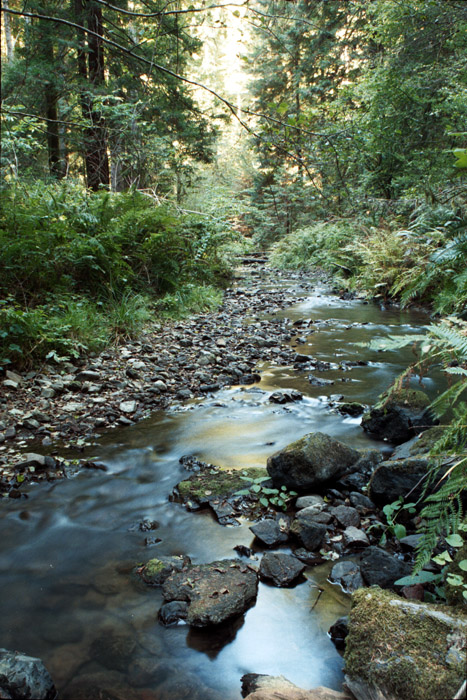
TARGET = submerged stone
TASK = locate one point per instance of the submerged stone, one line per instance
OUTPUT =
(23, 676)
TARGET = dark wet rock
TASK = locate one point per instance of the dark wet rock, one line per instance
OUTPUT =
(113, 649)
(368, 461)
(339, 631)
(315, 501)
(280, 568)
(410, 542)
(88, 375)
(354, 538)
(379, 568)
(156, 571)
(307, 530)
(308, 558)
(300, 358)
(351, 409)
(419, 445)
(39, 462)
(403, 649)
(148, 525)
(173, 612)
(249, 379)
(346, 516)
(361, 502)
(270, 532)
(214, 592)
(310, 461)
(318, 381)
(243, 550)
(347, 574)
(392, 479)
(398, 419)
(24, 677)
(282, 397)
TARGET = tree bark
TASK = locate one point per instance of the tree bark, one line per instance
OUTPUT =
(10, 47)
(92, 74)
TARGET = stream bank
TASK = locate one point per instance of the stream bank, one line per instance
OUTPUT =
(70, 550)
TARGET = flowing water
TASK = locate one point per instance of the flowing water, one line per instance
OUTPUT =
(68, 594)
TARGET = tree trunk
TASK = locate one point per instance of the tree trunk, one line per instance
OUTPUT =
(10, 47)
(92, 75)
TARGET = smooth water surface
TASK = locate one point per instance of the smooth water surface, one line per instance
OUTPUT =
(67, 554)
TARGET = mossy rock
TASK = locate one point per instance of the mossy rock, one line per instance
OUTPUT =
(210, 484)
(155, 571)
(400, 417)
(404, 649)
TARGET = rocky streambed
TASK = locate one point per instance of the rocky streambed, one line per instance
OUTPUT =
(231, 505)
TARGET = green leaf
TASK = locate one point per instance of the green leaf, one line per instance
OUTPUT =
(463, 564)
(399, 531)
(420, 577)
(454, 580)
(464, 593)
(256, 488)
(264, 502)
(455, 540)
(243, 492)
(442, 558)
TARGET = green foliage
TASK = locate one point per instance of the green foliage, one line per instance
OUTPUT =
(277, 498)
(324, 245)
(445, 344)
(80, 269)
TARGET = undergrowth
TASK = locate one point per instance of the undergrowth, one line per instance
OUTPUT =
(415, 253)
(79, 270)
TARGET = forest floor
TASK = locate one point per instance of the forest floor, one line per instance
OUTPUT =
(59, 409)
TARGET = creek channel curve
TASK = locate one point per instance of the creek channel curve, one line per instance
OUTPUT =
(67, 554)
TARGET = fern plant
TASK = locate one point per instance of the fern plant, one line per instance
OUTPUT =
(445, 344)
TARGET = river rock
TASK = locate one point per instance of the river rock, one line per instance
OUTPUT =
(354, 538)
(257, 686)
(347, 574)
(280, 568)
(173, 612)
(313, 460)
(339, 631)
(394, 478)
(314, 500)
(156, 571)
(270, 532)
(404, 650)
(346, 516)
(379, 568)
(361, 502)
(398, 419)
(24, 677)
(214, 592)
(307, 530)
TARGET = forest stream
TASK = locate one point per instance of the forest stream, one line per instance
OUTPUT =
(69, 594)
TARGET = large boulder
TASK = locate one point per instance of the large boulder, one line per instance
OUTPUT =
(313, 460)
(214, 592)
(24, 677)
(402, 650)
(400, 417)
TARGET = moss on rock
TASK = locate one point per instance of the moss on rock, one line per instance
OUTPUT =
(408, 650)
(213, 483)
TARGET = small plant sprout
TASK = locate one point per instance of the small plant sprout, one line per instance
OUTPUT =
(279, 498)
